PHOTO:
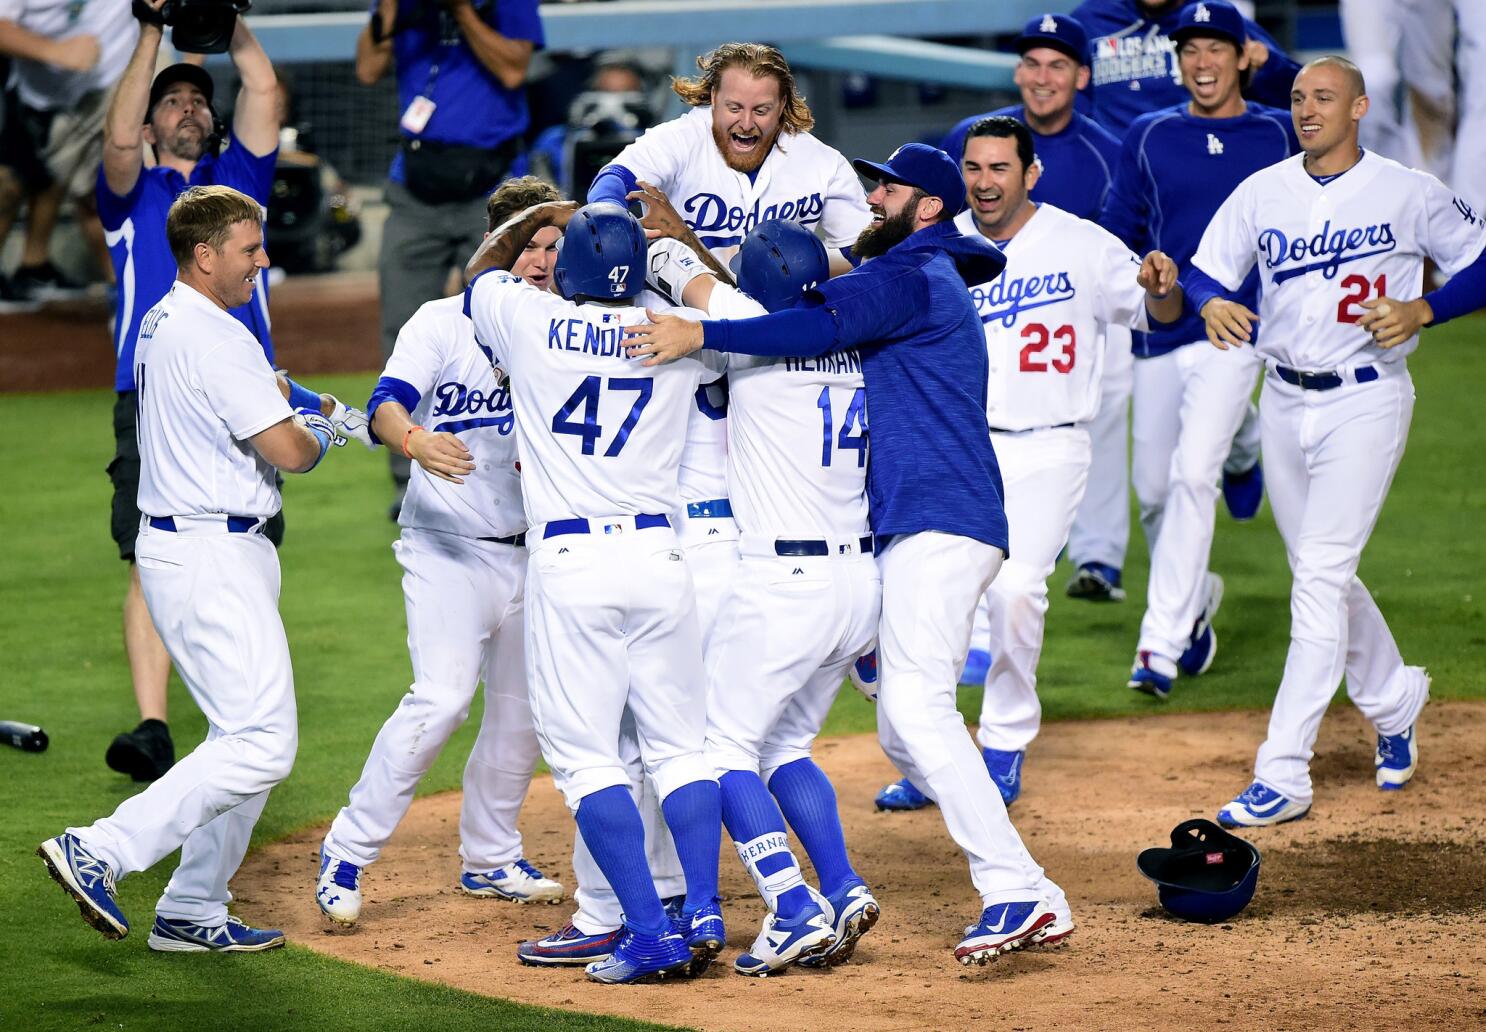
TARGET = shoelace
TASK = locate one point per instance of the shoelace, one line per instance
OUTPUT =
(525, 865)
(1254, 794)
(1386, 747)
(347, 876)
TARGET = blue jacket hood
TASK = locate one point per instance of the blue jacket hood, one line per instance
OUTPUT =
(976, 259)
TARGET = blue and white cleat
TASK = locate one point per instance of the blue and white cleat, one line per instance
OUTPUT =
(1003, 927)
(901, 796)
(518, 880)
(338, 890)
(1258, 806)
(977, 666)
(1096, 582)
(232, 936)
(1243, 493)
(863, 674)
(1396, 759)
(705, 935)
(88, 880)
(568, 947)
(1202, 646)
(641, 958)
(1055, 934)
(1005, 769)
(853, 911)
(781, 943)
(1152, 674)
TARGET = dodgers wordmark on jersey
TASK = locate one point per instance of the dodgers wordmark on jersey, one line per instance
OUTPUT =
(446, 382)
(1043, 317)
(802, 180)
(616, 426)
(204, 390)
(1322, 250)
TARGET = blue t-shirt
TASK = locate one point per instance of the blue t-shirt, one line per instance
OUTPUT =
(1135, 68)
(1175, 171)
(134, 228)
(433, 60)
(1078, 161)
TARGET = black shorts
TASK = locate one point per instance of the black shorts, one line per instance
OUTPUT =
(123, 471)
(24, 133)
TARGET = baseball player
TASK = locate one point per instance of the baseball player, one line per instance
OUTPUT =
(1176, 166)
(1339, 236)
(611, 622)
(463, 554)
(1065, 279)
(924, 370)
(803, 605)
(213, 427)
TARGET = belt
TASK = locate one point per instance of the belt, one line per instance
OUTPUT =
(234, 525)
(518, 540)
(1055, 426)
(817, 547)
(644, 521)
(714, 509)
(1327, 381)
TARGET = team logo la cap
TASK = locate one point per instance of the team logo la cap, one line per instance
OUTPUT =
(1057, 31)
(917, 164)
(1213, 19)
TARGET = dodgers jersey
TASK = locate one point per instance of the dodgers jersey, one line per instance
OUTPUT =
(204, 390)
(1175, 169)
(446, 382)
(599, 434)
(1044, 318)
(797, 438)
(802, 180)
(1322, 250)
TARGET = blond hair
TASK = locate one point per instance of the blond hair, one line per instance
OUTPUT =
(516, 195)
(758, 59)
(206, 215)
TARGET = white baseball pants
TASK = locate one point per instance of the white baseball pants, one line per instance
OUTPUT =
(214, 598)
(1189, 404)
(464, 600)
(1044, 472)
(930, 585)
(1101, 527)
(1329, 458)
(1373, 32)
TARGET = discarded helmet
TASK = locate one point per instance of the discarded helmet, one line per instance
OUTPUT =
(1208, 874)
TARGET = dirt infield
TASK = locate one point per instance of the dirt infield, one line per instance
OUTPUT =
(1368, 912)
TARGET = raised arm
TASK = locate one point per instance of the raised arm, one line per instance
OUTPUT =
(506, 59)
(662, 219)
(123, 128)
(255, 120)
(501, 248)
(374, 50)
(74, 54)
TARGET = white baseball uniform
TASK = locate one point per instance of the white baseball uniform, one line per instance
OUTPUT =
(1330, 452)
(1044, 318)
(464, 577)
(211, 581)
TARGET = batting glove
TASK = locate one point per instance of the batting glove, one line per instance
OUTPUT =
(322, 428)
(350, 422)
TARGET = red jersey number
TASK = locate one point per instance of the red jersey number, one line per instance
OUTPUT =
(1349, 309)
(1038, 338)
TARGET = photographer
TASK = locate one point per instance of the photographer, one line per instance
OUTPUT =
(461, 66)
(173, 114)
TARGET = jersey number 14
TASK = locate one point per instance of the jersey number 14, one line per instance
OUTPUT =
(845, 440)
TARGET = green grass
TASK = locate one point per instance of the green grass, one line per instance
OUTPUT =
(61, 586)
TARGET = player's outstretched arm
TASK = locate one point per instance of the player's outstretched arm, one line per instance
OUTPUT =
(442, 454)
(1228, 323)
(349, 421)
(501, 248)
(297, 444)
(662, 220)
(1163, 291)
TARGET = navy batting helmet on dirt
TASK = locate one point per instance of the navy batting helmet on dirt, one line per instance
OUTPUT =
(1208, 875)
(778, 262)
(602, 256)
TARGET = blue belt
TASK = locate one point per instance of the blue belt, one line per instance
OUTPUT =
(1323, 381)
(644, 521)
(518, 540)
(717, 508)
(235, 524)
(783, 547)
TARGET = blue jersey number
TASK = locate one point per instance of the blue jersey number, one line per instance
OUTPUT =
(587, 396)
(856, 416)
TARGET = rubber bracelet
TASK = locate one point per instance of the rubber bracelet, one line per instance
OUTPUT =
(405, 437)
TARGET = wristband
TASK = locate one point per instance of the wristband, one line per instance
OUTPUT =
(302, 397)
(405, 452)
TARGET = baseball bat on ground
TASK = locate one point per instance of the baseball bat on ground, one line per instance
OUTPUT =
(27, 737)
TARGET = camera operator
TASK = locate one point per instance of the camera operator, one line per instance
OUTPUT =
(173, 114)
(461, 68)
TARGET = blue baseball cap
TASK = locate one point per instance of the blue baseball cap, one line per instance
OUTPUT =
(1057, 31)
(927, 168)
(1214, 19)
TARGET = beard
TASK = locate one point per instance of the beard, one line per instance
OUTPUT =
(187, 146)
(748, 162)
(878, 240)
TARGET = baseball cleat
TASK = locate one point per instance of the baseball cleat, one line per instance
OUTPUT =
(1243, 493)
(704, 934)
(338, 891)
(852, 911)
(1055, 934)
(88, 880)
(1003, 927)
(232, 936)
(1005, 769)
(518, 880)
(902, 796)
(1096, 582)
(1202, 647)
(568, 947)
(977, 666)
(1258, 806)
(781, 943)
(1396, 759)
(639, 958)
(1152, 674)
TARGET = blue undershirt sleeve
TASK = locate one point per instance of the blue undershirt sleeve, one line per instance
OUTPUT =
(1465, 293)
(798, 332)
(390, 388)
(1200, 288)
(614, 183)
(302, 397)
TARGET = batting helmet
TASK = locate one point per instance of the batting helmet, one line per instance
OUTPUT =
(1208, 875)
(778, 262)
(602, 256)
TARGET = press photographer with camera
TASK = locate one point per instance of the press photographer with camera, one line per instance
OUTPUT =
(172, 112)
(461, 72)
